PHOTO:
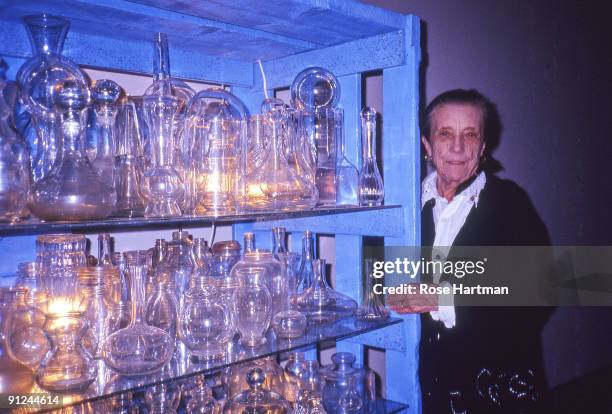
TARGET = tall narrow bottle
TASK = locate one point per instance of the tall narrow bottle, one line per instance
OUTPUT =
(105, 254)
(306, 272)
(280, 247)
(105, 94)
(371, 188)
(347, 176)
(249, 242)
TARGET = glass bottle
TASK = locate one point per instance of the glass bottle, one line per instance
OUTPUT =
(235, 378)
(165, 84)
(371, 187)
(206, 323)
(297, 149)
(179, 266)
(161, 310)
(225, 254)
(14, 168)
(139, 348)
(216, 126)
(163, 398)
(292, 370)
(279, 242)
(257, 399)
(348, 387)
(201, 251)
(105, 254)
(105, 94)
(202, 402)
(38, 78)
(288, 323)
(305, 274)
(275, 186)
(372, 308)
(315, 88)
(129, 162)
(252, 305)
(347, 176)
(71, 190)
(160, 251)
(320, 303)
(310, 377)
(15, 377)
(309, 402)
(95, 283)
(28, 277)
(256, 146)
(249, 241)
(68, 367)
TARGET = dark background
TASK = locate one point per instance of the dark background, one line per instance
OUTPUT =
(547, 65)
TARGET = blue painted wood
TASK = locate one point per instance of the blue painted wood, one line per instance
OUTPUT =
(388, 222)
(391, 338)
(15, 250)
(401, 155)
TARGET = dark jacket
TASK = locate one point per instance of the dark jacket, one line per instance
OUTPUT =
(492, 351)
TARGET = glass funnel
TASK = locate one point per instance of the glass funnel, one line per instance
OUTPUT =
(320, 303)
(372, 308)
(371, 187)
(216, 127)
(139, 348)
(257, 399)
(105, 94)
(71, 190)
(38, 77)
(14, 167)
(275, 186)
(347, 176)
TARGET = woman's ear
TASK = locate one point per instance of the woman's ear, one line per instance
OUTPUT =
(427, 146)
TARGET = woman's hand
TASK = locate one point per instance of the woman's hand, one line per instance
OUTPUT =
(413, 303)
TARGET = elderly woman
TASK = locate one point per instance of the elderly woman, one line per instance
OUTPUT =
(472, 360)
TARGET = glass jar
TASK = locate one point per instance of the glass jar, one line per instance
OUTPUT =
(68, 367)
(71, 190)
(320, 303)
(59, 255)
(216, 127)
(257, 398)
(138, 349)
(252, 306)
(371, 187)
(95, 286)
(275, 381)
(225, 254)
(348, 388)
(38, 78)
(28, 277)
(206, 324)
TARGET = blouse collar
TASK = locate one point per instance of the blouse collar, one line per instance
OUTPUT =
(429, 190)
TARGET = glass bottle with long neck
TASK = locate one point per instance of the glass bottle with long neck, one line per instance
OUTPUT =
(105, 94)
(371, 188)
(71, 190)
(347, 176)
(306, 271)
(280, 247)
(105, 254)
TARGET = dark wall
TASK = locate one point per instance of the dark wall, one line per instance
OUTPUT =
(548, 67)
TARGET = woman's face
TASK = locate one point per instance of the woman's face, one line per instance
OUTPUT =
(456, 143)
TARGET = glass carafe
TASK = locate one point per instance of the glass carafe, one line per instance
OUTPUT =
(372, 308)
(257, 399)
(252, 305)
(347, 176)
(14, 168)
(139, 348)
(105, 94)
(68, 367)
(216, 128)
(129, 162)
(71, 190)
(38, 78)
(305, 273)
(320, 303)
(275, 186)
(371, 187)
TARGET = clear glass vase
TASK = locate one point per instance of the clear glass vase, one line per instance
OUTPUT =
(95, 286)
(38, 78)
(252, 305)
(305, 273)
(372, 307)
(71, 190)
(320, 303)
(347, 176)
(138, 349)
(161, 310)
(371, 187)
(105, 94)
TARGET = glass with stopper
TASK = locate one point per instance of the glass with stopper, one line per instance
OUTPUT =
(257, 399)
(139, 348)
(38, 79)
(372, 308)
(71, 190)
(371, 187)
(347, 176)
(320, 303)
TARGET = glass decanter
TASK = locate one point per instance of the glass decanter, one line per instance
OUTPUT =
(372, 308)
(275, 186)
(252, 306)
(139, 348)
(38, 78)
(206, 323)
(15, 377)
(305, 273)
(14, 168)
(371, 187)
(164, 83)
(257, 399)
(216, 127)
(68, 367)
(129, 162)
(105, 94)
(347, 176)
(71, 190)
(161, 310)
(320, 303)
